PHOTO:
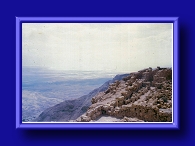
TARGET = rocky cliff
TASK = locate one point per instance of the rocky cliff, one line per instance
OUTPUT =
(143, 96)
(72, 109)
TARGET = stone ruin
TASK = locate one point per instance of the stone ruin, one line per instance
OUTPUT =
(143, 96)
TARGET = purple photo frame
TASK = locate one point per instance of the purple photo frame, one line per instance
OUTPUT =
(175, 121)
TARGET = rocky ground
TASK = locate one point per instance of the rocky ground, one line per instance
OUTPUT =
(143, 96)
(105, 118)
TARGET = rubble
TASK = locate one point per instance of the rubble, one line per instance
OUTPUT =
(143, 96)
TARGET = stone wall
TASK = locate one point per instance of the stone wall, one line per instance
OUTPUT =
(146, 95)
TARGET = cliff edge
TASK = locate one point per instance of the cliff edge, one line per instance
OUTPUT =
(72, 109)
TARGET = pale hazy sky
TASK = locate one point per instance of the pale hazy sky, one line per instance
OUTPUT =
(97, 46)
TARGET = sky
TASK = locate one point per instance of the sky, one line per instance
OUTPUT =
(117, 47)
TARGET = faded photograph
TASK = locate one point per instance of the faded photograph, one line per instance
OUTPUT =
(97, 72)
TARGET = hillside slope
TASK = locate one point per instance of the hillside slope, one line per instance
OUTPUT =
(72, 109)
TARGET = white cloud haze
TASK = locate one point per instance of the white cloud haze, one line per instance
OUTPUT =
(97, 46)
